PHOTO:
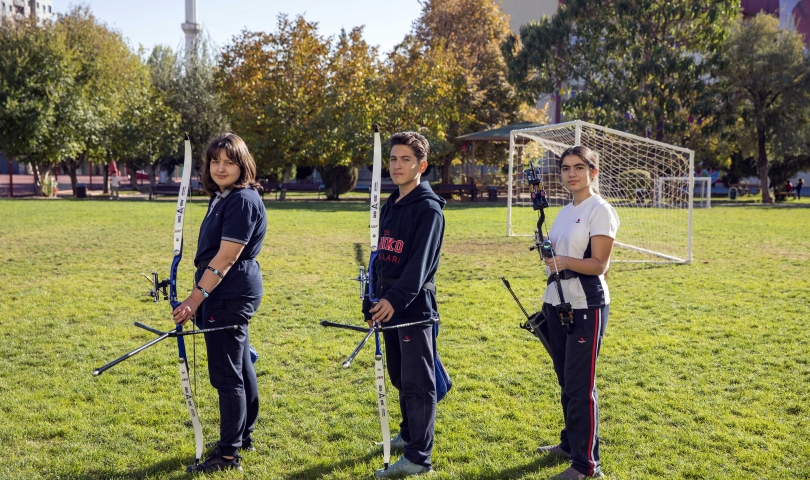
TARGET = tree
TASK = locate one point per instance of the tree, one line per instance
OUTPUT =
(425, 90)
(186, 84)
(487, 99)
(146, 133)
(354, 100)
(274, 87)
(104, 69)
(634, 65)
(767, 97)
(36, 75)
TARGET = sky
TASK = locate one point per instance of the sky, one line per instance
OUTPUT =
(156, 22)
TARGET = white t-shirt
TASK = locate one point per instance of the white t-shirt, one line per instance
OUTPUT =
(115, 181)
(571, 236)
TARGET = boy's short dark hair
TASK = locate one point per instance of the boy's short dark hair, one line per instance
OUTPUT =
(418, 143)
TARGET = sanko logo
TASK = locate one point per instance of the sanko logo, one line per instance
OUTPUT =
(391, 244)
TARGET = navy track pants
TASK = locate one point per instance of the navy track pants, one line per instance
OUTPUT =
(411, 367)
(574, 356)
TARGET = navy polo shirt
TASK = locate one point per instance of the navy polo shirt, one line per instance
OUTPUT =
(238, 216)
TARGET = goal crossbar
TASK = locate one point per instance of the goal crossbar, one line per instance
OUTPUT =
(649, 183)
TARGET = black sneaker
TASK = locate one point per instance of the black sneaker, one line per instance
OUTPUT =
(214, 463)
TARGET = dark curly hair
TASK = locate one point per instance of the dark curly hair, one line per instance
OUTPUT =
(418, 143)
(236, 150)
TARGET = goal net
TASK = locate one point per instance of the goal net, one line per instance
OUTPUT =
(650, 184)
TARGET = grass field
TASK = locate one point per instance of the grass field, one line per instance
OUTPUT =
(704, 372)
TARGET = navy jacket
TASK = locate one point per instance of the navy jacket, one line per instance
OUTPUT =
(411, 233)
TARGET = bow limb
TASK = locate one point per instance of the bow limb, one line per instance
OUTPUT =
(374, 228)
(185, 382)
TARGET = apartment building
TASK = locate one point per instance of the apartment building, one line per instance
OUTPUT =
(13, 10)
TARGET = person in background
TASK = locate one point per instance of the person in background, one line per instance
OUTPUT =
(799, 186)
(115, 184)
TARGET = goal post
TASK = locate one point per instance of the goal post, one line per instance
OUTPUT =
(651, 185)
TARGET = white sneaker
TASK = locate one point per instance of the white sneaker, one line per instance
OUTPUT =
(402, 468)
(398, 442)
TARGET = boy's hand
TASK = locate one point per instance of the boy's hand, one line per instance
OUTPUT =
(382, 312)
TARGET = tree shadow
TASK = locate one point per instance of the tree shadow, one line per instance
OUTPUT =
(358, 253)
(322, 469)
(166, 467)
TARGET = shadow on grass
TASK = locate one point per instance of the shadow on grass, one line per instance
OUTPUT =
(167, 467)
(356, 206)
(358, 253)
(322, 469)
(519, 471)
(618, 267)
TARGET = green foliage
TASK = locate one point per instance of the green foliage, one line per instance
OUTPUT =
(148, 130)
(274, 87)
(631, 180)
(338, 179)
(105, 71)
(477, 93)
(37, 70)
(634, 65)
(766, 101)
(355, 99)
(703, 372)
(425, 85)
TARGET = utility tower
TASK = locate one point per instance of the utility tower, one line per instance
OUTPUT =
(191, 28)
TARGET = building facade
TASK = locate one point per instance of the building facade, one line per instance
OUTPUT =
(15, 10)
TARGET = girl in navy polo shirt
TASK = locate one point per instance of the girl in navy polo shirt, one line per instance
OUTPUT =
(228, 292)
(582, 238)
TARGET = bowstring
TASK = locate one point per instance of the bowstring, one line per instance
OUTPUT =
(193, 274)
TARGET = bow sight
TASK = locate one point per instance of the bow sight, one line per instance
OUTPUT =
(158, 286)
(533, 176)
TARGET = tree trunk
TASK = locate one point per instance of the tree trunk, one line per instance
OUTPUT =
(73, 165)
(38, 182)
(446, 166)
(150, 171)
(133, 176)
(285, 179)
(106, 179)
(762, 166)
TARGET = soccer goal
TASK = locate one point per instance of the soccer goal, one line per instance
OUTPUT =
(650, 184)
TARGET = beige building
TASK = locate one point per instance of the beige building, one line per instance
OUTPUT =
(522, 12)
(11, 10)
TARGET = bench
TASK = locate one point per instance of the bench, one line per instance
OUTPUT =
(782, 196)
(268, 187)
(384, 188)
(301, 187)
(450, 189)
(166, 189)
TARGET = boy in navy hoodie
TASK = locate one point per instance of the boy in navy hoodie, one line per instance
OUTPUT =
(412, 228)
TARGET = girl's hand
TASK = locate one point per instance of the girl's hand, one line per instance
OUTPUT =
(382, 312)
(561, 263)
(185, 311)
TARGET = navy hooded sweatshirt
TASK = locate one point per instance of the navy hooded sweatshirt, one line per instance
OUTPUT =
(411, 233)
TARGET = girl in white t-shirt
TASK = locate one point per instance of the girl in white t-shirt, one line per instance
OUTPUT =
(582, 238)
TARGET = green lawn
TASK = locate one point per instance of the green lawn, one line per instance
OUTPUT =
(704, 371)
